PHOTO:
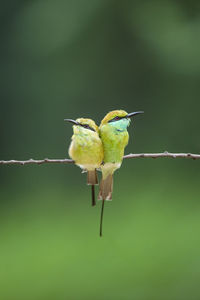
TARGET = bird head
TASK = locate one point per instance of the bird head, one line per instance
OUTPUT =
(83, 124)
(119, 118)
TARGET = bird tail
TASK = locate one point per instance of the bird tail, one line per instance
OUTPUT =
(92, 177)
(105, 193)
(106, 188)
(92, 180)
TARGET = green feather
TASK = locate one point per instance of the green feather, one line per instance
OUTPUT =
(114, 136)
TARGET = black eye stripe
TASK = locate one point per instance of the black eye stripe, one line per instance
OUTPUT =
(116, 119)
(87, 127)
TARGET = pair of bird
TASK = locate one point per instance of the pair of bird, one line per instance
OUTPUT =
(100, 148)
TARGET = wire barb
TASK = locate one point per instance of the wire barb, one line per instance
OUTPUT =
(101, 219)
(163, 154)
(93, 195)
(70, 161)
(36, 161)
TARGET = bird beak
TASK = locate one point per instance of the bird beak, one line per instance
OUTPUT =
(134, 114)
(71, 121)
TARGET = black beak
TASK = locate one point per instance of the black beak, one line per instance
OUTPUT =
(71, 121)
(134, 114)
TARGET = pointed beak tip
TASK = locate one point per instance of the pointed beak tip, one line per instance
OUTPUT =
(135, 113)
(139, 112)
(71, 121)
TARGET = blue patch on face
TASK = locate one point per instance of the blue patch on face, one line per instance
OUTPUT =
(121, 125)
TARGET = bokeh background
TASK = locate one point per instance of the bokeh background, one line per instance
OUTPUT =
(68, 59)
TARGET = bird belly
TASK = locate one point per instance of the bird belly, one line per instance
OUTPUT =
(87, 153)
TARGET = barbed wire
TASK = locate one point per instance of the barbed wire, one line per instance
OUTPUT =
(70, 161)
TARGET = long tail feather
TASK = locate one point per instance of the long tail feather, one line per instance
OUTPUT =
(105, 193)
(93, 195)
(92, 180)
(101, 219)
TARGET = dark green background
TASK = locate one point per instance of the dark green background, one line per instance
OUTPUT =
(68, 59)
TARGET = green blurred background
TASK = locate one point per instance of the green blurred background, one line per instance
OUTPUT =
(68, 59)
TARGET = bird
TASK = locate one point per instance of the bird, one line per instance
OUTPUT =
(86, 149)
(114, 135)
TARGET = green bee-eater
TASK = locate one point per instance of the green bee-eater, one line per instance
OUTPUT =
(86, 149)
(114, 136)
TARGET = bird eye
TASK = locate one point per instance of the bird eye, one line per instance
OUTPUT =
(87, 127)
(115, 119)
